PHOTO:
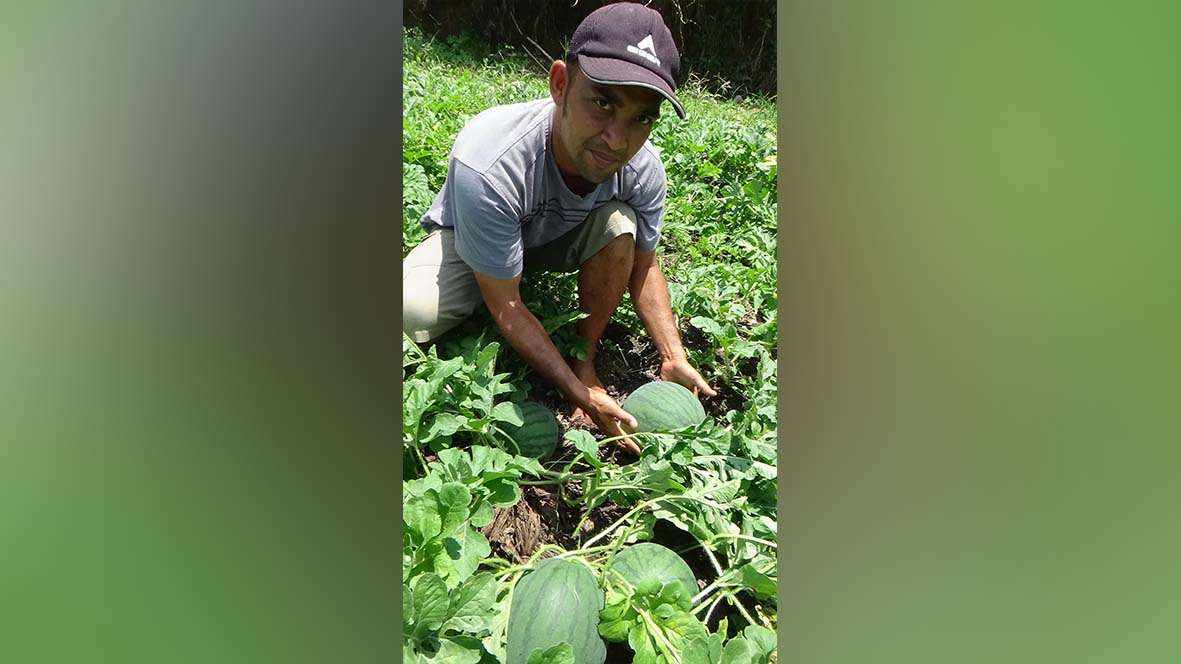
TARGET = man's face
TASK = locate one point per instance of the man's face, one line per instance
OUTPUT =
(599, 128)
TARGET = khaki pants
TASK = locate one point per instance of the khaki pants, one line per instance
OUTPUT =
(439, 290)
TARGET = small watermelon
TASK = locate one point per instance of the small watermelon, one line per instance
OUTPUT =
(539, 435)
(559, 601)
(649, 560)
(663, 406)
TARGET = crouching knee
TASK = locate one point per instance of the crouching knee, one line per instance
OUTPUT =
(420, 317)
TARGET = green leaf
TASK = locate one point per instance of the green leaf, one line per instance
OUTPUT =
(708, 325)
(739, 651)
(679, 626)
(760, 584)
(584, 442)
(430, 603)
(482, 515)
(421, 516)
(696, 651)
(615, 620)
(509, 413)
(503, 492)
(443, 425)
(552, 323)
(471, 604)
(454, 499)
(761, 640)
(453, 463)
(452, 652)
(460, 555)
(641, 644)
(561, 653)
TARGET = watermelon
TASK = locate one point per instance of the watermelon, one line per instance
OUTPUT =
(538, 436)
(559, 601)
(648, 560)
(663, 406)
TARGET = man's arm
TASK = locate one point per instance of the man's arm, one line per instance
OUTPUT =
(526, 335)
(649, 292)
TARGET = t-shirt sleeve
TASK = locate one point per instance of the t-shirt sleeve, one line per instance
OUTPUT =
(487, 224)
(647, 198)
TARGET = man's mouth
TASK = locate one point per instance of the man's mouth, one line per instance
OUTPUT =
(603, 159)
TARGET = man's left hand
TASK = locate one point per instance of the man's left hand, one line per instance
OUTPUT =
(680, 371)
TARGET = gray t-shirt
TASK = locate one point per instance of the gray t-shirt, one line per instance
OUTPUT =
(503, 191)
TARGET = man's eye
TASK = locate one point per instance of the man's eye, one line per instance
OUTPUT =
(646, 120)
(603, 103)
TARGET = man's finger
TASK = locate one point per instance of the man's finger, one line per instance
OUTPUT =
(629, 445)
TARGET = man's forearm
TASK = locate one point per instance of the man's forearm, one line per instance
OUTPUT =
(649, 293)
(526, 335)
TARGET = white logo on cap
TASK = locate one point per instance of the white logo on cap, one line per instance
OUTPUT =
(649, 54)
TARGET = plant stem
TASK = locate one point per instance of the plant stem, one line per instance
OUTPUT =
(748, 538)
(714, 605)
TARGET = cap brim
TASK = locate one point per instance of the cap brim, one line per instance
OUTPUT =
(609, 71)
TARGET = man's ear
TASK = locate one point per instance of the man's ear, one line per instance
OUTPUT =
(558, 82)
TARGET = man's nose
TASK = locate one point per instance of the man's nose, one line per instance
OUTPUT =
(615, 136)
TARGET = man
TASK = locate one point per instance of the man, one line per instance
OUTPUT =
(569, 183)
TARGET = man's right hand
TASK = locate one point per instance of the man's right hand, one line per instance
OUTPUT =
(607, 415)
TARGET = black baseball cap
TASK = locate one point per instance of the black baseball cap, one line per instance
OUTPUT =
(628, 44)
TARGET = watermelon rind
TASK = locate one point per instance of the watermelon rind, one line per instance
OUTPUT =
(538, 436)
(559, 601)
(648, 560)
(663, 406)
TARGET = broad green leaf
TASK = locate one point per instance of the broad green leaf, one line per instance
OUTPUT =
(615, 620)
(649, 586)
(454, 499)
(696, 651)
(641, 644)
(503, 492)
(739, 651)
(482, 515)
(707, 325)
(561, 653)
(443, 425)
(471, 604)
(494, 641)
(460, 555)
(430, 603)
(453, 463)
(760, 584)
(409, 656)
(486, 360)
(421, 516)
(451, 652)
(679, 626)
(584, 442)
(508, 412)
(761, 640)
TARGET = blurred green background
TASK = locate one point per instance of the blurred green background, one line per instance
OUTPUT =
(198, 351)
(979, 317)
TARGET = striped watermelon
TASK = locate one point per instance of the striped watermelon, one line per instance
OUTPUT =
(649, 560)
(558, 601)
(538, 436)
(663, 406)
